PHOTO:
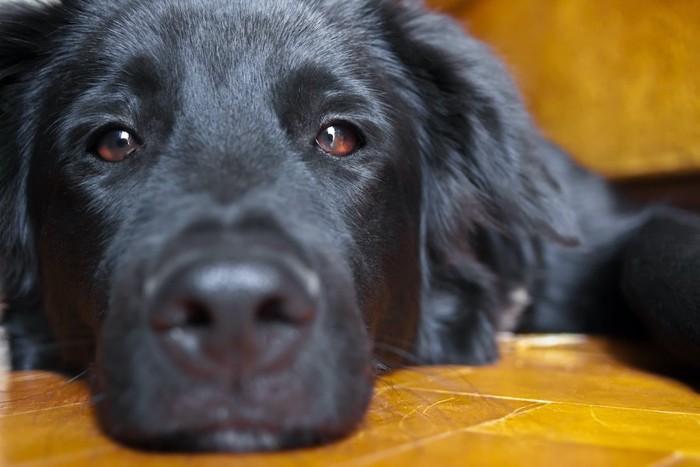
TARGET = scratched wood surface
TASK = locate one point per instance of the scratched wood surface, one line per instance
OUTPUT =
(614, 82)
(552, 400)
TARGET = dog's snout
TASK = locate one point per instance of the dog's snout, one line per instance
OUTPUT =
(228, 317)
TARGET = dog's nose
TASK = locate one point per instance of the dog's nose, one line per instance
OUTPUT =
(225, 318)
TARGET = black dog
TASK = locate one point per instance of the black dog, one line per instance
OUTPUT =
(233, 213)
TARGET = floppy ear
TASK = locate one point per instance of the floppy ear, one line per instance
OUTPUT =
(485, 176)
(25, 35)
(480, 143)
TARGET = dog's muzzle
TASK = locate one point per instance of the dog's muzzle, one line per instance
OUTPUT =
(233, 339)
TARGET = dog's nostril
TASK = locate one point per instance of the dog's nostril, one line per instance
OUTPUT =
(282, 310)
(185, 313)
(195, 314)
(272, 311)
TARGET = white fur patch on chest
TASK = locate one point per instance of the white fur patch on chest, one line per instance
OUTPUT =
(519, 299)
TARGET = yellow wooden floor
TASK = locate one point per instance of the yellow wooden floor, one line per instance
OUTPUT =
(552, 400)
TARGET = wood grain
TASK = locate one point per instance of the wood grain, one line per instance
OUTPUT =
(551, 400)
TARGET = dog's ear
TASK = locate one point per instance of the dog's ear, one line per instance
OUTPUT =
(488, 161)
(25, 34)
(486, 172)
(27, 30)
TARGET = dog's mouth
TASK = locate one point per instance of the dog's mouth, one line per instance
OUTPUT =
(240, 440)
(232, 424)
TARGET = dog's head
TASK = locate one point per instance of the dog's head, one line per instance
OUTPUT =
(233, 212)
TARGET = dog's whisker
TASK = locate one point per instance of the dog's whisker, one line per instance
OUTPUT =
(407, 356)
(78, 376)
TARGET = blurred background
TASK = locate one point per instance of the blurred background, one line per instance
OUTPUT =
(616, 83)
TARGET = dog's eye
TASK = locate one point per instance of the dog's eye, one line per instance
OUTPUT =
(338, 140)
(116, 145)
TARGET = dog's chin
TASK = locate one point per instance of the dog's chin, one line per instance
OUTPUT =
(221, 424)
(237, 440)
(253, 420)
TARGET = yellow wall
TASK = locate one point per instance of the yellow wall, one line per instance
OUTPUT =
(617, 83)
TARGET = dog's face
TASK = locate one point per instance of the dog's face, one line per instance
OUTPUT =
(233, 212)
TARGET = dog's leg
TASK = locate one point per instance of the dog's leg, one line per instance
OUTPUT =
(661, 281)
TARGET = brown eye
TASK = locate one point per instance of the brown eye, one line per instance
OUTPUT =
(116, 145)
(338, 140)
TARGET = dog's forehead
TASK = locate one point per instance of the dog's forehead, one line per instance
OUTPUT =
(234, 29)
(223, 42)
(219, 58)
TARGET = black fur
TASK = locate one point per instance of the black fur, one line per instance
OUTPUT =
(453, 219)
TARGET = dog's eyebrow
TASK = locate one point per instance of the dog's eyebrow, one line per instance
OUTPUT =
(329, 91)
(141, 75)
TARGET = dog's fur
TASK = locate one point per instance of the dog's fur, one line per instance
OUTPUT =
(452, 219)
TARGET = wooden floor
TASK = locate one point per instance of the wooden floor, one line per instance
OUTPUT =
(552, 400)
